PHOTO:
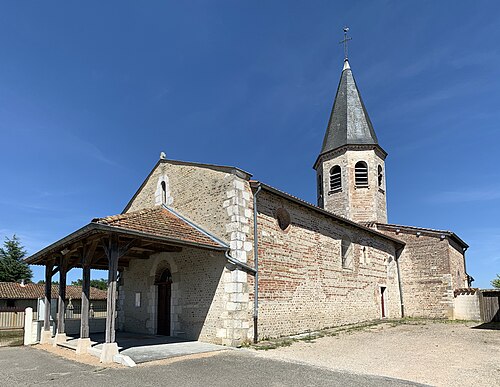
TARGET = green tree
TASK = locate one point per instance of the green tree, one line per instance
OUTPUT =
(12, 266)
(100, 283)
(496, 282)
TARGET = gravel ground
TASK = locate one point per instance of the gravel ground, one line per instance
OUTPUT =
(435, 353)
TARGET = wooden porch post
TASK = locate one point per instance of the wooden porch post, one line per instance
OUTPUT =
(61, 310)
(114, 251)
(46, 334)
(111, 302)
(84, 327)
(87, 254)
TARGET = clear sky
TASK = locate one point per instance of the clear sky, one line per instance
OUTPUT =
(91, 92)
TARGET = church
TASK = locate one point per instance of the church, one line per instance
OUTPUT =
(205, 252)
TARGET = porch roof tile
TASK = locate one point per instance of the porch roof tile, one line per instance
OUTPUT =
(163, 222)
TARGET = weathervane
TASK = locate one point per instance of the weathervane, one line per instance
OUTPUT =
(344, 42)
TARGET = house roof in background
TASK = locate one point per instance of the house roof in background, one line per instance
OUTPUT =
(30, 291)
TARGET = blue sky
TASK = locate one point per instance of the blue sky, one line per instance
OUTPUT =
(90, 93)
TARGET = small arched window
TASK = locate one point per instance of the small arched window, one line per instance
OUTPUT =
(335, 179)
(346, 253)
(361, 174)
(163, 193)
(380, 176)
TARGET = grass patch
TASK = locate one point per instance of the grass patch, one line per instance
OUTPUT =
(310, 337)
(10, 338)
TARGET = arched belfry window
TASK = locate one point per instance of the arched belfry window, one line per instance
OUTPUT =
(380, 176)
(163, 193)
(335, 179)
(361, 174)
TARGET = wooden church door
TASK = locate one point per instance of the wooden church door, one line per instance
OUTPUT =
(164, 302)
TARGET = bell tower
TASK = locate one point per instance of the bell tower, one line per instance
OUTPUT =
(350, 168)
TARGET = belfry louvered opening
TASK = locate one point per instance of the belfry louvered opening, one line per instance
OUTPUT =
(361, 174)
(335, 179)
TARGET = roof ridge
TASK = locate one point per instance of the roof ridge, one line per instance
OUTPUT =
(194, 225)
(415, 227)
(126, 215)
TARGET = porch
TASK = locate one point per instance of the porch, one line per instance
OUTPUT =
(131, 245)
(140, 348)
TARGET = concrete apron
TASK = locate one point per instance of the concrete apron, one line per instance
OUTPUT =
(131, 348)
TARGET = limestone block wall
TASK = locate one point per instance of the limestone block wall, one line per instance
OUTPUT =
(427, 277)
(221, 204)
(457, 265)
(302, 285)
(197, 294)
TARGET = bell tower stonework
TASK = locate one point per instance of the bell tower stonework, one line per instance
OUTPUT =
(350, 168)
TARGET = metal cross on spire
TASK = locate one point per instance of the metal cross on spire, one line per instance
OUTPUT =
(344, 42)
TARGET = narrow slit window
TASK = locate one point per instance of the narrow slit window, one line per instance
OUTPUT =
(346, 253)
(335, 179)
(380, 176)
(163, 193)
(361, 174)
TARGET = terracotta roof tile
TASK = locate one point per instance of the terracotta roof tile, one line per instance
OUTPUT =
(30, 291)
(161, 222)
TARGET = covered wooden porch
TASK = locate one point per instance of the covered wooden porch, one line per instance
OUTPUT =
(111, 244)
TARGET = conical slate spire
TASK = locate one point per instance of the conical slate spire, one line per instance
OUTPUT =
(349, 122)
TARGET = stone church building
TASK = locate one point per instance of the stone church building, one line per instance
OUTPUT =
(205, 252)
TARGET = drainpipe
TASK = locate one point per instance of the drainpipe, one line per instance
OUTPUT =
(398, 254)
(256, 265)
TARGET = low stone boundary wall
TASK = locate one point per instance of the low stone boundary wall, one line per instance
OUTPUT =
(466, 304)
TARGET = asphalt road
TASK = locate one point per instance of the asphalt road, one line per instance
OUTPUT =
(24, 366)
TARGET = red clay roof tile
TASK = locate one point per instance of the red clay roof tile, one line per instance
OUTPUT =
(161, 222)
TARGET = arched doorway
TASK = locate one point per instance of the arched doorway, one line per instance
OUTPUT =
(164, 300)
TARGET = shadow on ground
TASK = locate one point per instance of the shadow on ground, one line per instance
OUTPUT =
(491, 325)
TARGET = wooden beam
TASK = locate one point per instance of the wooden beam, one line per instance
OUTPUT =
(48, 295)
(86, 257)
(62, 296)
(84, 320)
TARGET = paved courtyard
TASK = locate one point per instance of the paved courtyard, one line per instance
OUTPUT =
(388, 354)
(21, 366)
(435, 353)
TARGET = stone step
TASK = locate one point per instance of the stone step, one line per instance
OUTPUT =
(68, 344)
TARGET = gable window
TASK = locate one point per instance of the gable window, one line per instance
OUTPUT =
(380, 176)
(361, 174)
(335, 179)
(346, 253)
(163, 193)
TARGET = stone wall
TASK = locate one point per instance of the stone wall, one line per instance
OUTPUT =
(302, 285)
(428, 278)
(457, 265)
(359, 204)
(197, 294)
(466, 305)
(220, 203)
